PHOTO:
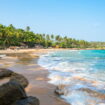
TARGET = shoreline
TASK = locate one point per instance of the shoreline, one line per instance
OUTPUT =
(36, 75)
(30, 50)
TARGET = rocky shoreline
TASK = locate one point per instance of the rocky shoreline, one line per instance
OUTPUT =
(12, 92)
(36, 85)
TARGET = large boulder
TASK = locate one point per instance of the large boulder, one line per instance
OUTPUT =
(19, 78)
(27, 101)
(5, 73)
(13, 77)
(11, 92)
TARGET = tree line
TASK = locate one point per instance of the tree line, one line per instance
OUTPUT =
(11, 36)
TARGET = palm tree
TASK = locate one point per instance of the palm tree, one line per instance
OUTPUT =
(57, 38)
(27, 28)
(52, 36)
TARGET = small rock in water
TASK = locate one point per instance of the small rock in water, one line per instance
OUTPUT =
(60, 90)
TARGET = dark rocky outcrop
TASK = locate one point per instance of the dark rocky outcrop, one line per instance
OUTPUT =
(20, 79)
(27, 101)
(13, 77)
(5, 73)
(12, 92)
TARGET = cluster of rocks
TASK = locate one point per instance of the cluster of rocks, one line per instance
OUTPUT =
(13, 91)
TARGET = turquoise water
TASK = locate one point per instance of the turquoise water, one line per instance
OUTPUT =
(80, 74)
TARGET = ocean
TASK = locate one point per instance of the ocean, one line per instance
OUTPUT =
(79, 73)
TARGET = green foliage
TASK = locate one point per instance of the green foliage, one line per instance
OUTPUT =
(10, 36)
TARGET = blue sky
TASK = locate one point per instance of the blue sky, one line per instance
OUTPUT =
(80, 19)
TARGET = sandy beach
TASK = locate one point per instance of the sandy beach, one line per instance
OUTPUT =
(25, 63)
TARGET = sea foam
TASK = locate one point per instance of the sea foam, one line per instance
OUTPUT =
(80, 71)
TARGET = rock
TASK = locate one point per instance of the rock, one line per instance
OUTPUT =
(20, 79)
(13, 76)
(5, 73)
(27, 101)
(11, 92)
(59, 92)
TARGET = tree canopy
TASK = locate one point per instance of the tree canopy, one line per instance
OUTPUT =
(11, 36)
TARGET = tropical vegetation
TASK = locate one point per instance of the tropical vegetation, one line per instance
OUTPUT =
(11, 36)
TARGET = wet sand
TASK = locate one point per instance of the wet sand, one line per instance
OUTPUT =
(36, 75)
